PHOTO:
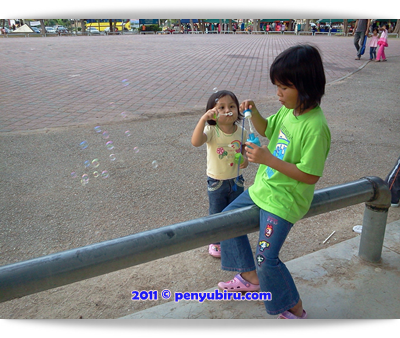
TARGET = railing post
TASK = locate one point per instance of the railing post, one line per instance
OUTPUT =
(374, 222)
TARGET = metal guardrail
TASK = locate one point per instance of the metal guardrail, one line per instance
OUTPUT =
(47, 272)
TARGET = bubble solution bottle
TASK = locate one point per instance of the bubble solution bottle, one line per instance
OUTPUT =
(252, 138)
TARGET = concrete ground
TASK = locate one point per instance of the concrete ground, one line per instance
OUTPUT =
(51, 98)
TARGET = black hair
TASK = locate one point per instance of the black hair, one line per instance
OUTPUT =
(301, 66)
(213, 100)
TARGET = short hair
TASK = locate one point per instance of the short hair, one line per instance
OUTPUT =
(301, 66)
(213, 100)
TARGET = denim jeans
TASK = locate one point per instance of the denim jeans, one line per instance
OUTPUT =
(236, 255)
(372, 53)
(358, 41)
(223, 192)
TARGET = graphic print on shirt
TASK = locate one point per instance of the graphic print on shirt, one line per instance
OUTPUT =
(229, 151)
(279, 151)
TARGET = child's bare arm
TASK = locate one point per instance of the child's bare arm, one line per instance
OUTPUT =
(198, 136)
(262, 155)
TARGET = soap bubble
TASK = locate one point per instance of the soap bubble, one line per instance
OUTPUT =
(127, 133)
(104, 174)
(95, 163)
(106, 135)
(124, 115)
(83, 145)
(110, 145)
(125, 82)
(215, 89)
(154, 164)
(95, 173)
(97, 129)
(86, 164)
(85, 179)
(112, 157)
(136, 150)
(74, 174)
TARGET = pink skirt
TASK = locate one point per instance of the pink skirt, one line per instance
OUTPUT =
(383, 42)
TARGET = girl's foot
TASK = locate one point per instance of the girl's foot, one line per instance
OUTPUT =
(215, 250)
(289, 315)
(238, 284)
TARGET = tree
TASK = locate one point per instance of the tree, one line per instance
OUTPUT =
(42, 26)
(83, 26)
(397, 28)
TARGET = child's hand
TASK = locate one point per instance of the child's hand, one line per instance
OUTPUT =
(245, 163)
(256, 154)
(248, 104)
(211, 114)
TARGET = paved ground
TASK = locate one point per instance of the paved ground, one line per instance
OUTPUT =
(64, 81)
(44, 210)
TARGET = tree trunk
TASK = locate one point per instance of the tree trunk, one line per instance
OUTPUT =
(397, 28)
(42, 26)
(307, 25)
(83, 26)
(191, 25)
(345, 26)
(230, 25)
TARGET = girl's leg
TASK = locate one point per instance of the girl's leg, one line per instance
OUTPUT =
(236, 253)
(383, 54)
(378, 55)
(273, 275)
(371, 51)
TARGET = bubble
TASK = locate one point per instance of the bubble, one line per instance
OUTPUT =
(136, 150)
(97, 129)
(74, 174)
(105, 174)
(216, 100)
(96, 174)
(128, 133)
(106, 135)
(215, 89)
(112, 157)
(83, 145)
(95, 163)
(85, 179)
(154, 164)
(124, 115)
(86, 164)
(125, 82)
(110, 145)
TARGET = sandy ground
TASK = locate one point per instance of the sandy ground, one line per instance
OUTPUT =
(46, 211)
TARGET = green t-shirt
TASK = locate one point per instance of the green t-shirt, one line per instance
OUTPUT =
(303, 140)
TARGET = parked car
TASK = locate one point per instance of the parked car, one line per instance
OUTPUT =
(36, 30)
(93, 30)
(61, 29)
(50, 30)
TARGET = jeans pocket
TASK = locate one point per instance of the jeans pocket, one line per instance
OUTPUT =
(239, 181)
(213, 184)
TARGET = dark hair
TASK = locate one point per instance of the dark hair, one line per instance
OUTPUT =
(375, 29)
(213, 100)
(301, 66)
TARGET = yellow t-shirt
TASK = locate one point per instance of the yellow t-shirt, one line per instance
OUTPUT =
(221, 150)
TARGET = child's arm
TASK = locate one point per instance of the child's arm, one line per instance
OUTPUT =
(198, 136)
(262, 155)
(258, 121)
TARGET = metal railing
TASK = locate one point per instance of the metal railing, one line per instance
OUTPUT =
(47, 272)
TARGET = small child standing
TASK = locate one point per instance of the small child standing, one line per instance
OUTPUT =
(382, 43)
(224, 137)
(373, 44)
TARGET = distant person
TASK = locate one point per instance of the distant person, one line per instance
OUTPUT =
(219, 128)
(382, 43)
(373, 44)
(361, 30)
(393, 180)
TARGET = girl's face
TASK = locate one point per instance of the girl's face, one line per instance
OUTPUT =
(227, 109)
(288, 96)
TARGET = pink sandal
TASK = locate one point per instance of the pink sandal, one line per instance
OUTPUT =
(215, 250)
(289, 315)
(238, 284)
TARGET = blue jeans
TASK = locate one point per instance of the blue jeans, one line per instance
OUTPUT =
(372, 53)
(236, 255)
(223, 192)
